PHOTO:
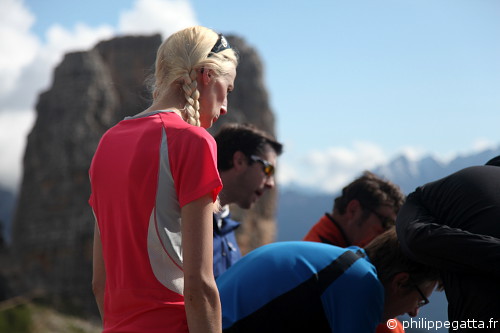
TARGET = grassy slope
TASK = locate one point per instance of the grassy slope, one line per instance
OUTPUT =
(31, 318)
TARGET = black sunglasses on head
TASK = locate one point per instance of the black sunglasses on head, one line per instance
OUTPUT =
(221, 45)
(268, 168)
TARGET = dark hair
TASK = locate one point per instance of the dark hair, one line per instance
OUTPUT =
(371, 191)
(386, 255)
(245, 138)
(495, 161)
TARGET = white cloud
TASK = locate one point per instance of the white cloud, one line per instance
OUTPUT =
(12, 145)
(157, 16)
(18, 46)
(36, 76)
(481, 144)
(330, 169)
(27, 63)
(413, 153)
(478, 145)
(81, 37)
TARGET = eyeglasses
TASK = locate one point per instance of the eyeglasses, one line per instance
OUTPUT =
(424, 300)
(268, 168)
(386, 221)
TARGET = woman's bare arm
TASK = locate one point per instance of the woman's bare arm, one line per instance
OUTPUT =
(201, 296)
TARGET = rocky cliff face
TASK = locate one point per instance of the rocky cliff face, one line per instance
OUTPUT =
(53, 225)
(7, 199)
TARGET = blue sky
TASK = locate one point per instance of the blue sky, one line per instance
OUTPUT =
(353, 83)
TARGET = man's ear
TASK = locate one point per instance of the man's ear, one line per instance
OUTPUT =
(353, 207)
(239, 161)
(399, 283)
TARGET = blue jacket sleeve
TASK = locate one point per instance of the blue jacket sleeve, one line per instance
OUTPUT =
(354, 303)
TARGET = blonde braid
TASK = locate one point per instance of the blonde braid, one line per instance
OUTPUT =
(192, 95)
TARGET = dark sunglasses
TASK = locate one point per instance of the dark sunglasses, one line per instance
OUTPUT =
(424, 300)
(386, 221)
(268, 168)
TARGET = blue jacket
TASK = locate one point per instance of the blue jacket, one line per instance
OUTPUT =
(226, 249)
(301, 287)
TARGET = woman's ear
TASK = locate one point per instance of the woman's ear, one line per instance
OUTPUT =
(206, 75)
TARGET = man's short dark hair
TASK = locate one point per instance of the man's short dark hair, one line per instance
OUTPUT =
(386, 255)
(495, 161)
(245, 138)
(371, 191)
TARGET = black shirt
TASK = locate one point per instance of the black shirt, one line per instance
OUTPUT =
(454, 224)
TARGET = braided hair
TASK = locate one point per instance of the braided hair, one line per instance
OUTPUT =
(180, 59)
(192, 95)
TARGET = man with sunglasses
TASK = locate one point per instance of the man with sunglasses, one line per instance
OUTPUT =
(246, 159)
(453, 224)
(366, 208)
(313, 287)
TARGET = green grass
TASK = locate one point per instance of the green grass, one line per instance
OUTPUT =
(16, 320)
(35, 318)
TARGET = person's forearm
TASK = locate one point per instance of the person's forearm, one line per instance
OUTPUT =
(201, 295)
(425, 239)
(99, 298)
(203, 309)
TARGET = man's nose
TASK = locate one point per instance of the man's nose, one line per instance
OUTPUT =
(270, 182)
(414, 312)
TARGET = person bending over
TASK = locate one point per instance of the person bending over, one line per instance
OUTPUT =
(453, 224)
(314, 287)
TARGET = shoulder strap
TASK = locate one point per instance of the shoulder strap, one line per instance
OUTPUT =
(333, 271)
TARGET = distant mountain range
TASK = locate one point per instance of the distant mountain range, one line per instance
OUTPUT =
(411, 174)
(299, 208)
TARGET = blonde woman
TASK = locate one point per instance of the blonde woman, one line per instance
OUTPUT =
(154, 187)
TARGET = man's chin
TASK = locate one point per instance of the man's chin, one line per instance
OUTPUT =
(246, 205)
